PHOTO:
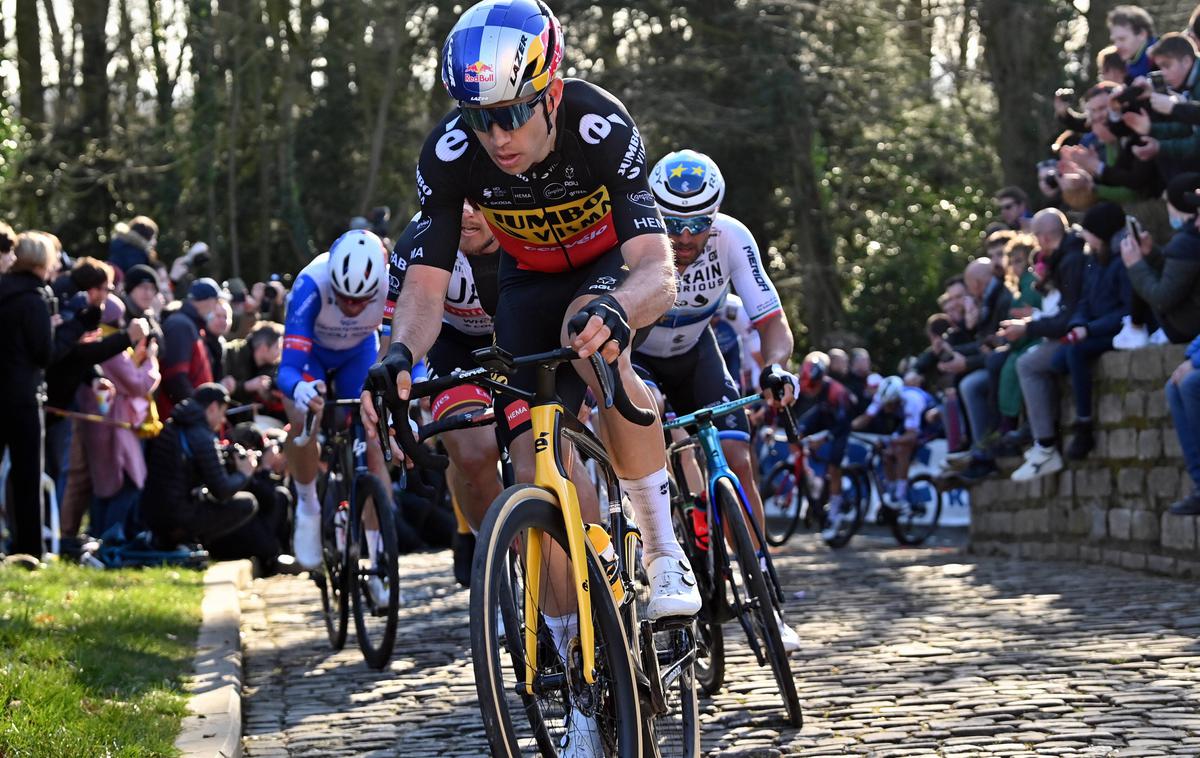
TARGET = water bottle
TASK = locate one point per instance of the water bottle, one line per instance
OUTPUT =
(608, 559)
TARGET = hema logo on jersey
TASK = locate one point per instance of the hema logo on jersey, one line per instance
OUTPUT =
(558, 223)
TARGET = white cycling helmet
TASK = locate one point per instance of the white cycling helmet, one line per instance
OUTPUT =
(686, 184)
(357, 264)
(889, 390)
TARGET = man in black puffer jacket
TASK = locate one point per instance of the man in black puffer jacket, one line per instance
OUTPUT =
(189, 495)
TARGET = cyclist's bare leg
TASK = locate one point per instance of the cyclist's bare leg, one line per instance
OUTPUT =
(473, 476)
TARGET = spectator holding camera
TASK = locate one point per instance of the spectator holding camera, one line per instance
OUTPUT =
(26, 343)
(116, 464)
(185, 361)
(261, 538)
(251, 365)
(1170, 283)
(1108, 169)
(184, 269)
(191, 494)
(133, 244)
(1176, 145)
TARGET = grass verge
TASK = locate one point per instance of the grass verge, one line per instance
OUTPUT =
(93, 662)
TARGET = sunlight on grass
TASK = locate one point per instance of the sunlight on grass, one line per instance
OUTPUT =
(93, 661)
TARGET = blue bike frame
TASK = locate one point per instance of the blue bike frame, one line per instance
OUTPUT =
(710, 443)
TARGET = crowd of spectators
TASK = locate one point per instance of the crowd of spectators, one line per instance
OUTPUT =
(142, 399)
(1111, 260)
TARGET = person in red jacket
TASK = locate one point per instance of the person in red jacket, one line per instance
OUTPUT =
(184, 357)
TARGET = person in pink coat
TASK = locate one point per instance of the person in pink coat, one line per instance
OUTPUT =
(116, 461)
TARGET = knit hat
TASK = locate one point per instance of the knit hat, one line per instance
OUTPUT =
(1104, 220)
(140, 274)
(210, 392)
(204, 289)
(1181, 192)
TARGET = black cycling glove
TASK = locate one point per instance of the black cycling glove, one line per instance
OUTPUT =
(611, 313)
(382, 375)
(774, 378)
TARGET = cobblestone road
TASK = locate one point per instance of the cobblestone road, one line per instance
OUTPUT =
(908, 652)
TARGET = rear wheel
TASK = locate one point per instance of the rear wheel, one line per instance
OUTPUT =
(782, 499)
(523, 722)
(375, 614)
(759, 600)
(918, 515)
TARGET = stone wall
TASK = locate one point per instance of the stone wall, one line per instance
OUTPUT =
(1110, 508)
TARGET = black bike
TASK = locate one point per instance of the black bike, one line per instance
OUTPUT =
(354, 502)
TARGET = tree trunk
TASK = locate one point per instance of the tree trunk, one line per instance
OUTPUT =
(29, 66)
(233, 23)
(821, 285)
(201, 37)
(164, 86)
(131, 65)
(1023, 57)
(1097, 38)
(381, 120)
(91, 16)
(66, 66)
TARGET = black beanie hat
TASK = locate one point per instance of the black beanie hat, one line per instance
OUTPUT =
(1104, 220)
(1181, 192)
(140, 274)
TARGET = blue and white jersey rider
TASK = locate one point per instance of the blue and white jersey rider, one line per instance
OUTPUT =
(730, 257)
(334, 315)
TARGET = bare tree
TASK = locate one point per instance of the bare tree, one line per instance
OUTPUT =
(29, 65)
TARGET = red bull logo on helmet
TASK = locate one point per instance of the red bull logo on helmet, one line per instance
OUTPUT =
(479, 73)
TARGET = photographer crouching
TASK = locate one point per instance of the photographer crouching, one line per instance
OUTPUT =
(195, 489)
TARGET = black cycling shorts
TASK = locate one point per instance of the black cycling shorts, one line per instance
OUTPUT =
(694, 380)
(451, 351)
(529, 319)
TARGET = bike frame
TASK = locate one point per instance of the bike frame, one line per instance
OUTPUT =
(710, 443)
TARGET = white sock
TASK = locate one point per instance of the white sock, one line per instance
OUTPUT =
(650, 498)
(306, 497)
(562, 630)
(373, 537)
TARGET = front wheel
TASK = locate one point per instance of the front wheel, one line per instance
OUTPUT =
(918, 515)
(375, 583)
(522, 720)
(759, 600)
(335, 575)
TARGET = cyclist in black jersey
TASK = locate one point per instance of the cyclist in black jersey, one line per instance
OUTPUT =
(559, 171)
(467, 325)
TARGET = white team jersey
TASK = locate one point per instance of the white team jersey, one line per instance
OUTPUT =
(462, 309)
(311, 305)
(730, 256)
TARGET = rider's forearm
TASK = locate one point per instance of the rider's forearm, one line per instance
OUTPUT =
(649, 290)
(418, 318)
(777, 341)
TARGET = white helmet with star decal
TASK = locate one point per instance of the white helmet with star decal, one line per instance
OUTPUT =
(686, 183)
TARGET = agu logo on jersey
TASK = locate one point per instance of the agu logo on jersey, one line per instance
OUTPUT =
(479, 73)
(558, 223)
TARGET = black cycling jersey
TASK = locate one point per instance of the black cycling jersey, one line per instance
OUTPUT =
(587, 197)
